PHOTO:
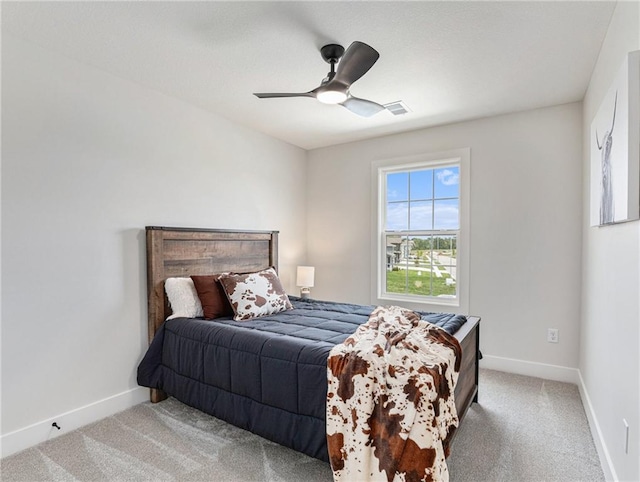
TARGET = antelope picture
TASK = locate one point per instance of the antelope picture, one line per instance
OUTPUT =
(606, 193)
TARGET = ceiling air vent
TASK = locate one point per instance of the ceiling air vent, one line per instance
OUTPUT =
(397, 108)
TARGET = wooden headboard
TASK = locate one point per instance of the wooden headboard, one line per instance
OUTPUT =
(181, 252)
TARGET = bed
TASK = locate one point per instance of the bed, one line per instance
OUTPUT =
(266, 375)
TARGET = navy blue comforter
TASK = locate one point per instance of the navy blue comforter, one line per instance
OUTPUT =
(267, 375)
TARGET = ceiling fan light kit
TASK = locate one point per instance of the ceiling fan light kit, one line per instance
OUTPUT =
(334, 89)
(327, 96)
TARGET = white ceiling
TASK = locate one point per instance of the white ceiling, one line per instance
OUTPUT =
(448, 61)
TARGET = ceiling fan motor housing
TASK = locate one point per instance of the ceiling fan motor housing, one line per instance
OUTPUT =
(331, 53)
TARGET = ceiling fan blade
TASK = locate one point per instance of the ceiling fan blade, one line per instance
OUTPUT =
(362, 107)
(355, 62)
(284, 94)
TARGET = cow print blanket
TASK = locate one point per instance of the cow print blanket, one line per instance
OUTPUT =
(390, 405)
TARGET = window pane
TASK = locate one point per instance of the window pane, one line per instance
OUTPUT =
(447, 182)
(421, 184)
(444, 266)
(452, 257)
(420, 215)
(398, 186)
(397, 216)
(444, 287)
(446, 214)
(397, 258)
(419, 269)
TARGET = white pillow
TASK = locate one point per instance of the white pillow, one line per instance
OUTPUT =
(183, 298)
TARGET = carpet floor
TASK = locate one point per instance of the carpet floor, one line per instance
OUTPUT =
(523, 429)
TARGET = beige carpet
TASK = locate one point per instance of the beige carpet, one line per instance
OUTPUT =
(524, 429)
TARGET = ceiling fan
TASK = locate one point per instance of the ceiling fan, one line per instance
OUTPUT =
(334, 89)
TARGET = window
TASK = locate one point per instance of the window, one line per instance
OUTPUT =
(421, 230)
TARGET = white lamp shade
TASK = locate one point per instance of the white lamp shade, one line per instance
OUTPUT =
(305, 276)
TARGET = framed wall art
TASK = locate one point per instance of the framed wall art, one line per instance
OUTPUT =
(615, 149)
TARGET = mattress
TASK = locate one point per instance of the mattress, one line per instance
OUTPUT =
(266, 375)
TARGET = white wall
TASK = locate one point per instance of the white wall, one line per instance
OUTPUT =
(610, 331)
(525, 225)
(88, 160)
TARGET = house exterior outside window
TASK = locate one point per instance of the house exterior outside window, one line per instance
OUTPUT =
(421, 230)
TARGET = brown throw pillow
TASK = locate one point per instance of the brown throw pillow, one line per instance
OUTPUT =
(212, 296)
(255, 294)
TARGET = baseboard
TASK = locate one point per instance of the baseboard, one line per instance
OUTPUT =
(605, 459)
(531, 369)
(24, 438)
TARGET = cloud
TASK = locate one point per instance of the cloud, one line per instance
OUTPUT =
(448, 177)
(394, 195)
(446, 216)
(421, 216)
(397, 216)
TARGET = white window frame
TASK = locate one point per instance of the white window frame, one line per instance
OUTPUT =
(379, 169)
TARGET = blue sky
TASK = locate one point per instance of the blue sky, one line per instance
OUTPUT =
(426, 189)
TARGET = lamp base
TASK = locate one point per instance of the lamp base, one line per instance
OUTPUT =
(304, 293)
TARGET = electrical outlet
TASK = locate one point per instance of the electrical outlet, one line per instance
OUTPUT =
(552, 335)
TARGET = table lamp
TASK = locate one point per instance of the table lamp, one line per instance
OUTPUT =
(304, 279)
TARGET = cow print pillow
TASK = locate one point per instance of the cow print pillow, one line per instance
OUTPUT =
(255, 294)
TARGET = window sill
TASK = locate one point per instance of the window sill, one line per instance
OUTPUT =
(421, 304)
